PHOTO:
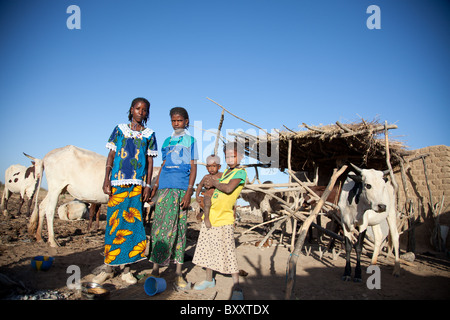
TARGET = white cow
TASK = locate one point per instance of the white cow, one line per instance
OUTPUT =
(81, 172)
(73, 210)
(22, 180)
(78, 171)
(367, 199)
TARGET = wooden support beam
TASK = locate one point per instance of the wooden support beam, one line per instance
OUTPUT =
(388, 161)
(340, 125)
(314, 129)
(292, 262)
(371, 130)
(216, 147)
(238, 117)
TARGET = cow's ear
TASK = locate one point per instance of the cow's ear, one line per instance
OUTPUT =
(355, 177)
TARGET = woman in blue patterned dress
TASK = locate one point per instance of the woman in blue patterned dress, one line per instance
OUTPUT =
(129, 169)
(175, 182)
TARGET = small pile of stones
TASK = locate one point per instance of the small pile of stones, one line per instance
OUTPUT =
(40, 295)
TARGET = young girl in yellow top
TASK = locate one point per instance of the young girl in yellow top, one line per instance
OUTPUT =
(215, 247)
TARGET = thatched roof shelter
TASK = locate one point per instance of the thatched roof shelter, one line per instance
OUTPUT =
(326, 147)
(323, 147)
(327, 151)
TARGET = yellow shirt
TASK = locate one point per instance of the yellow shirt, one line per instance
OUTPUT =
(222, 204)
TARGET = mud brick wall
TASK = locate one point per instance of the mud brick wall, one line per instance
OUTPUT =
(438, 171)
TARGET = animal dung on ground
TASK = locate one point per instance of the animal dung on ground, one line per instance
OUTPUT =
(243, 273)
(267, 244)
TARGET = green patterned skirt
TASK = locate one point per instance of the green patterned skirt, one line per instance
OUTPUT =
(168, 234)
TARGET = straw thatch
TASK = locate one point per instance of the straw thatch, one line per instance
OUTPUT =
(326, 146)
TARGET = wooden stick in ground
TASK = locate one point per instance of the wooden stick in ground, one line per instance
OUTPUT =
(294, 223)
(292, 262)
(276, 226)
(261, 224)
(428, 186)
(312, 193)
(272, 195)
(294, 234)
(404, 182)
(289, 157)
(411, 233)
(216, 147)
(388, 160)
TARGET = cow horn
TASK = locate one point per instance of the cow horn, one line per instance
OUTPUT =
(27, 155)
(386, 172)
(356, 168)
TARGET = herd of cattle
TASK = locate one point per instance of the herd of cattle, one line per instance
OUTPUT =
(366, 199)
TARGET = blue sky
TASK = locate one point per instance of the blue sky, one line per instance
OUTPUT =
(270, 62)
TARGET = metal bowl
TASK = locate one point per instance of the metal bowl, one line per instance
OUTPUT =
(94, 291)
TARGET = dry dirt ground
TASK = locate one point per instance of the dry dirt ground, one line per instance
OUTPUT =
(317, 278)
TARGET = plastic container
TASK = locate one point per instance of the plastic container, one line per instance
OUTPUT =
(42, 263)
(154, 285)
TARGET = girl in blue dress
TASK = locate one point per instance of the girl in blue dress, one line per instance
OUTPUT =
(129, 169)
(175, 182)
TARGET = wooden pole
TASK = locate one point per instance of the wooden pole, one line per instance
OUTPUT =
(388, 160)
(292, 262)
(239, 117)
(294, 221)
(411, 246)
(276, 226)
(428, 186)
(261, 224)
(340, 125)
(270, 188)
(294, 234)
(404, 182)
(270, 194)
(313, 129)
(216, 147)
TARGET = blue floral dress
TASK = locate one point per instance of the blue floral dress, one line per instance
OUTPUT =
(125, 240)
